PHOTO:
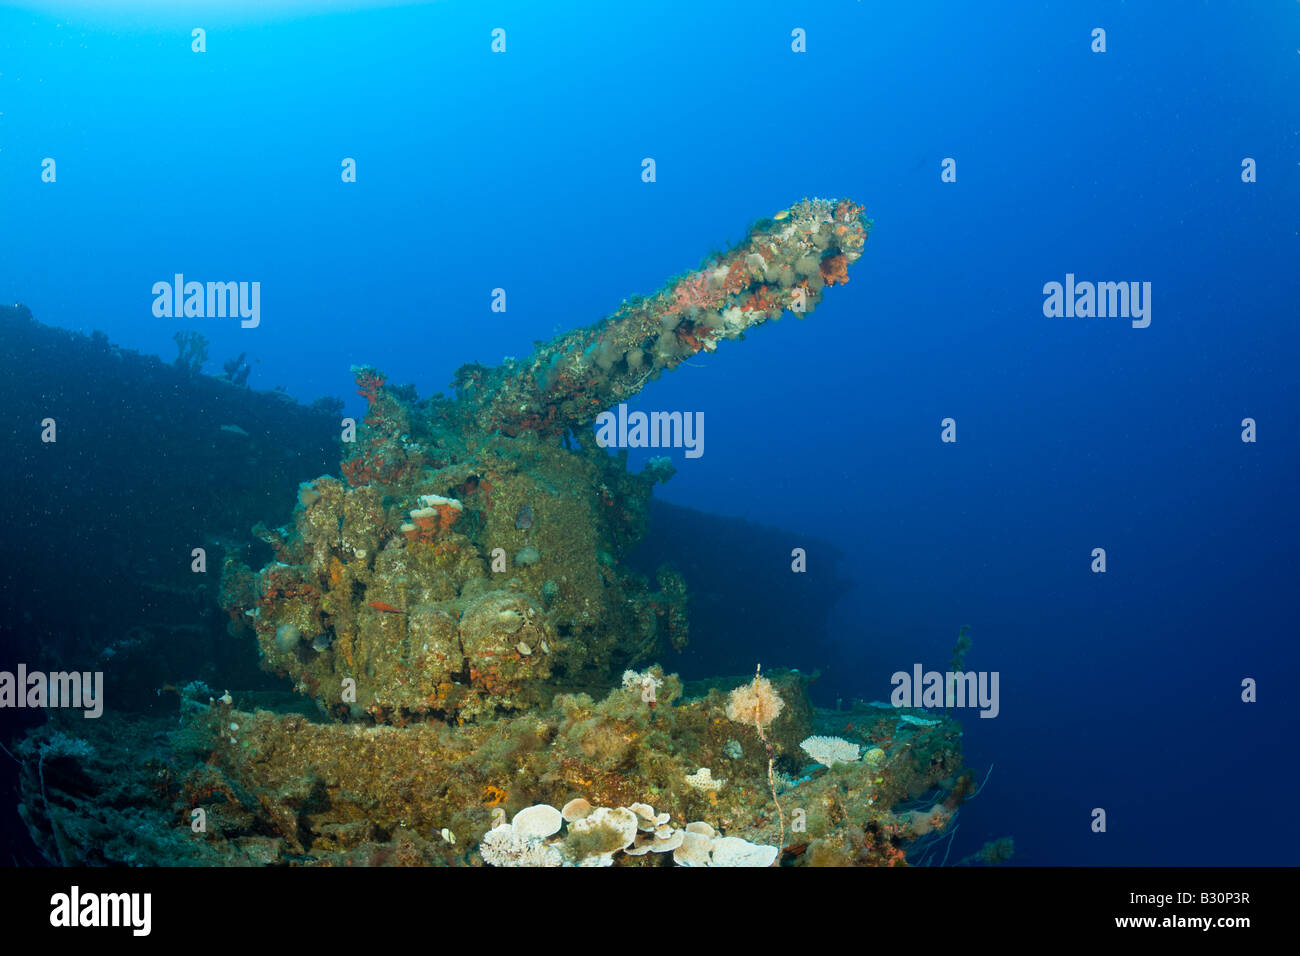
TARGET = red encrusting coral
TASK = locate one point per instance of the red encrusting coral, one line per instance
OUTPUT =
(693, 292)
(438, 517)
(693, 336)
(369, 382)
(835, 269)
(763, 299)
(846, 210)
(738, 278)
(357, 471)
(531, 421)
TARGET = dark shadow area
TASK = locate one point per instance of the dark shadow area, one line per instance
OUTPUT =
(149, 462)
(747, 604)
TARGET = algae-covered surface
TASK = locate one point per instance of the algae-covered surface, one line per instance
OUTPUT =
(240, 784)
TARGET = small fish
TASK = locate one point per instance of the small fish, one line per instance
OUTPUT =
(321, 642)
(386, 607)
(524, 518)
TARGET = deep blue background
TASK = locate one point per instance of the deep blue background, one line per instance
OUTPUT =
(522, 170)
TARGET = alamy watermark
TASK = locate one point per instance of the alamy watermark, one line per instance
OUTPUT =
(1103, 300)
(80, 689)
(212, 300)
(77, 909)
(922, 688)
(653, 430)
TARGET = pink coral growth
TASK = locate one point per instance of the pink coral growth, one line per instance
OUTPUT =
(693, 292)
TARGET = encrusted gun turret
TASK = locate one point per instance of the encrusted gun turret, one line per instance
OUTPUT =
(470, 563)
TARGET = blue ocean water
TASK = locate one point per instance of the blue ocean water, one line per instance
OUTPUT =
(522, 170)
